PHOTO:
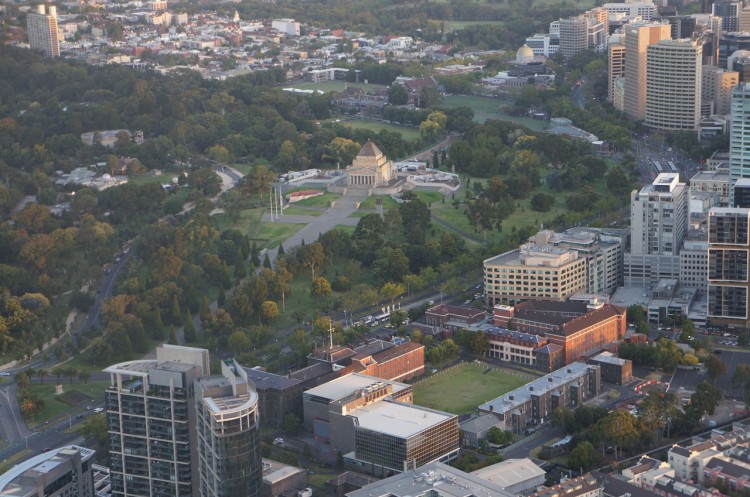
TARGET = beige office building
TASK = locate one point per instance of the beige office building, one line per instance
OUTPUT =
(616, 51)
(673, 84)
(534, 272)
(716, 89)
(638, 37)
(42, 28)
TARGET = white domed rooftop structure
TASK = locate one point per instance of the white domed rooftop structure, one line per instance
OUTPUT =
(525, 54)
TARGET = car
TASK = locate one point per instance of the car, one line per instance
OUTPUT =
(118, 259)
(530, 431)
(99, 409)
(278, 442)
(718, 351)
(431, 302)
(467, 302)
(4, 373)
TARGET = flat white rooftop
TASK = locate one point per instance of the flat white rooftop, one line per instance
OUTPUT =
(398, 420)
(347, 385)
(508, 473)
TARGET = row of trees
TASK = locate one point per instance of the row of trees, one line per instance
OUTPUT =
(659, 415)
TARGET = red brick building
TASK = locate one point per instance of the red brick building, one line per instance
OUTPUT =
(399, 363)
(580, 328)
(453, 317)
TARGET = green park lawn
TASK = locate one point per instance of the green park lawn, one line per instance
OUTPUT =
(274, 234)
(408, 134)
(319, 201)
(489, 108)
(326, 86)
(460, 390)
(371, 202)
(457, 25)
(296, 211)
(249, 222)
(90, 393)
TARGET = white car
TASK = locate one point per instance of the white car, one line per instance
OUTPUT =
(99, 409)
(4, 373)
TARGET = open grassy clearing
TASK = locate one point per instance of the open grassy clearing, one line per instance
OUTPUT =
(319, 201)
(326, 86)
(457, 25)
(296, 211)
(489, 108)
(461, 389)
(248, 223)
(53, 407)
(407, 133)
(271, 235)
(371, 202)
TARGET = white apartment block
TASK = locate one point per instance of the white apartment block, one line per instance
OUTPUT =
(42, 30)
(632, 10)
(543, 44)
(287, 26)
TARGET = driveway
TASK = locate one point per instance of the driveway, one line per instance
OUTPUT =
(338, 214)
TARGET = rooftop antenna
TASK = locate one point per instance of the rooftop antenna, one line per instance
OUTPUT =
(330, 332)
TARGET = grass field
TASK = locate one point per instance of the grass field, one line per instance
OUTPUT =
(370, 203)
(408, 134)
(489, 108)
(326, 86)
(53, 407)
(319, 201)
(462, 389)
(456, 25)
(296, 211)
(276, 233)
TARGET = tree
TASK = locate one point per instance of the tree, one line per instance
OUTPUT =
(741, 380)
(617, 181)
(94, 428)
(584, 456)
(269, 312)
(84, 375)
(392, 290)
(398, 95)
(292, 424)
(542, 202)
(283, 282)
(618, 430)
(189, 329)
(320, 287)
(705, 399)
(715, 367)
(41, 373)
(172, 336)
(312, 256)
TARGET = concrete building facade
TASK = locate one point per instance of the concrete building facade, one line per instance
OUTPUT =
(229, 461)
(150, 408)
(673, 84)
(59, 472)
(42, 29)
(739, 136)
(658, 224)
(638, 37)
(728, 273)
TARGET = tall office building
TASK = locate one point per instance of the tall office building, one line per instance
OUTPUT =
(638, 37)
(739, 137)
(658, 223)
(716, 89)
(729, 43)
(151, 422)
(174, 431)
(728, 254)
(573, 35)
(729, 11)
(42, 28)
(229, 459)
(673, 84)
(617, 54)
